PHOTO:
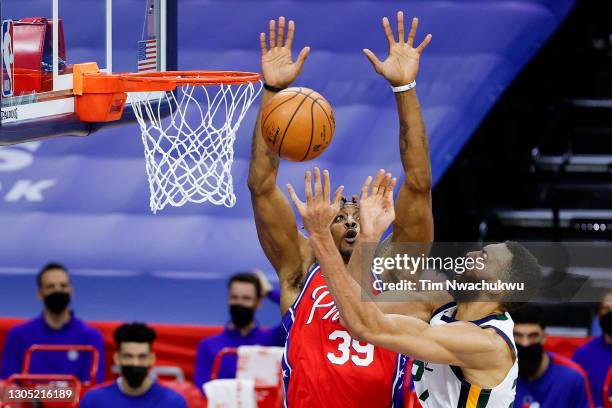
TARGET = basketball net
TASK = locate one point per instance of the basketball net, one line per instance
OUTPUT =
(188, 137)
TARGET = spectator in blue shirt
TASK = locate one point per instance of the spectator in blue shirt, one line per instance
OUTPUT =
(595, 357)
(245, 293)
(545, 379)
(57, 325)
(134, 388)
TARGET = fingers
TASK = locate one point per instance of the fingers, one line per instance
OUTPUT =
(338, 196)
(290, 32)
(326, 186)
(262, 43)
(388, 31)
(384, 184)
(378, 181)
(298, 203)
(388, 193)
(373, 59)
(365, 188)
(281, 32)
(318, 188)
(308, 187)
(424, 44)
(400, 27)
(302, 57)
(272, 29)
(386, 179)
(412, 33)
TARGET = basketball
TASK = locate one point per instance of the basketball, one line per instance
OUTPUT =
(298, 124)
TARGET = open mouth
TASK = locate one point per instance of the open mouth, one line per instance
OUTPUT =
(351, 235)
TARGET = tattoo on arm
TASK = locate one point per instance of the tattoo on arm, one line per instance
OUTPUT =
(424, 139)
(404, 142)
(273, 159)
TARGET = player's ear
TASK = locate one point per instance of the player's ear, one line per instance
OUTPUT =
(116, 358)
(153, 358)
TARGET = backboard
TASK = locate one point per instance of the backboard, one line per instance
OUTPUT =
(42, 40)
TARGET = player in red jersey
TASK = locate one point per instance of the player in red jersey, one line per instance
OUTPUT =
(323, 365)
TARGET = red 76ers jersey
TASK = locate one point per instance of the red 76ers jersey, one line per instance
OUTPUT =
(323, 366)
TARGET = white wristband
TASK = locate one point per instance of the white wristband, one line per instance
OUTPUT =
(404, 88)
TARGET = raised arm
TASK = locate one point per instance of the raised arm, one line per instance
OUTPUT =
(414, 220)
(276, 225)
(408, 303)
(436, 344)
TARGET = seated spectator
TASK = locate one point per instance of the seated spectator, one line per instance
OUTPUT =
(134, 388)
(56, 325)
(545, 379)
(595, 357)
(245, 293)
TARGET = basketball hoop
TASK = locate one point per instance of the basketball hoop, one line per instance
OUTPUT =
(188, 121)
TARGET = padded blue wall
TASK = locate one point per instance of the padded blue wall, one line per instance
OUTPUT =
(129, 264)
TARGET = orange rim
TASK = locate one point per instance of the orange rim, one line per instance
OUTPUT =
(89, 80)
(193, 77)
(101, 97)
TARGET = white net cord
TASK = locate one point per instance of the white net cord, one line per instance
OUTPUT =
(188, 138)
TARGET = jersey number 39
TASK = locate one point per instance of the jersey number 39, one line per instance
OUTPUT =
(361, 354)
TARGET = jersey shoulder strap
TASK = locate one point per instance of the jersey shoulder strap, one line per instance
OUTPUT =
(289, 317)
(503, 324)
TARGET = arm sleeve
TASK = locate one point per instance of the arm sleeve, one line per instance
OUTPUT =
(274, 295)
(12, 355)
(581, 393)
(203, 366)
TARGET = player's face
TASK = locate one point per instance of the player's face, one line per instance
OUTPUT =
(527, 334)
(495, 259)
(243, 294)
(135, 354)
(54, 280)
(489, 265)
(345, 228)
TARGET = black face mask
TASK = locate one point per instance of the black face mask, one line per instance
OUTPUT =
(529, 359)
(241, 316)
(57, 302)
(134, 375)
(605, 322)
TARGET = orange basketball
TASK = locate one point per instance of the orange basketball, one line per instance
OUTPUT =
(297, 124)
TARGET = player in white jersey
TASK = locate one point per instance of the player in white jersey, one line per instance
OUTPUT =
(444, 385)
(464, 353)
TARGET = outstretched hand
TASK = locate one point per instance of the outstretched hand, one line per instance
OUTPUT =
(318, 211)
(376, 210)
(277, 65)
(402, 63)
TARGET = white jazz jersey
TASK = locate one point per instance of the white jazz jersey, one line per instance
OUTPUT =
(443, 386)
